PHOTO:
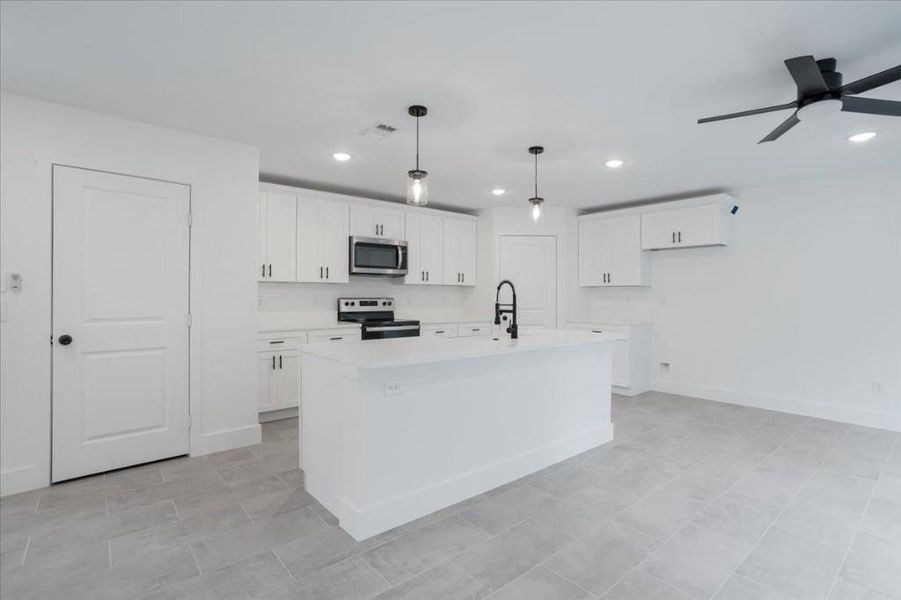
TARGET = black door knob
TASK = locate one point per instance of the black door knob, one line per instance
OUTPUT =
(65, 339)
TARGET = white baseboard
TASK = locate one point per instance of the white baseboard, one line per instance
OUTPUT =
(22, 479)
(228, 439)
(795, 406)
(365, 522)
(277, 415)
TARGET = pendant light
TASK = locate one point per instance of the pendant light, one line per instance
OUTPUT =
(535, 200)
(417, 186)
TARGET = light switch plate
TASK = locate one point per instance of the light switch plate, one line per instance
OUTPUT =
(391, 388)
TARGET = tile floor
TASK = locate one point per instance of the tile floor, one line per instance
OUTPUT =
(694, 500)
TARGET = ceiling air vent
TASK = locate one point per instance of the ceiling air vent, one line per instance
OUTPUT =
(378, 131)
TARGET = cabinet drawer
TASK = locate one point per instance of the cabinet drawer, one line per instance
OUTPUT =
(334, 335)
(620, 332)
(446, 330)
(281, 342)
(473, 329)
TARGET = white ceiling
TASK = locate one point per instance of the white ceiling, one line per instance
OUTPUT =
(589, 81)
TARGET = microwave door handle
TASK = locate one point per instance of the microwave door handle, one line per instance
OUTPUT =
(400, 256)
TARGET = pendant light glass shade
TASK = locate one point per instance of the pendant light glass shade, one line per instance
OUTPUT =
(417, 188)
(417, 184)
(536, 208)
(536, 201)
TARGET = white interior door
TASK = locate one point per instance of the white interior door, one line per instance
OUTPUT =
(530, 262)
(120, 290)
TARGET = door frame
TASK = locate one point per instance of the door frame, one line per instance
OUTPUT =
(194, 346)
(558, 284)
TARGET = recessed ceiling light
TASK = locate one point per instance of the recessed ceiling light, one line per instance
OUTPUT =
(614, 163)
(498, 191)
(862, 137)
(341, 156)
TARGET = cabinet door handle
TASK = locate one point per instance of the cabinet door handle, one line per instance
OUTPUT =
(439, 332)
(376, 228)
(335, 339)
(674, 237)
(273, 362)
(680, 237)
(326, 272)
(264, 270)
(427, 275)
(277, 342)
(596, 331)
(320, 272)
(381, 230)
(279, 361)
(270, 269)
(609, 278)
(463, 277)
(422, 276)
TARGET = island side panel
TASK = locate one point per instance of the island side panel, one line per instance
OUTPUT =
(427, 436)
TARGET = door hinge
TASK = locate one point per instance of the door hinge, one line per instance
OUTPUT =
(190, 219)
(189, 320)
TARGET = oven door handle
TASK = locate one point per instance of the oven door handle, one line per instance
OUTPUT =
(392, 328)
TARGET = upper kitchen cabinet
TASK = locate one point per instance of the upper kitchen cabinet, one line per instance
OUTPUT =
(425, 250)
(278, 237)
(322, 240)
(692, 226)
(367, 220)
(610, 253)
(460, 239)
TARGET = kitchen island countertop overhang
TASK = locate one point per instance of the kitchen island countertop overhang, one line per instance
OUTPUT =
(393, 430)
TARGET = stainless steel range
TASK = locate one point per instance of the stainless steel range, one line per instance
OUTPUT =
(376, 316)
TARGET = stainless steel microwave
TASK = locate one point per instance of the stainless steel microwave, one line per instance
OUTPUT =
(377, 256)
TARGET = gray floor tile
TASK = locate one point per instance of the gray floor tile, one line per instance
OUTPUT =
(540, 584)
(597, 561)
(740, 516)
(883, 519)
(768, 485)
(444, 582)
(239, 543)
(851, 590)
(352, 579)
(209, 482)
(17, 505)
(267, 506)
(12, 553)
(503, 510)
(639, 585)
(793, 565)
(312, 552)
(874, 564)
(826, 522)
(702, 482)
(248, 578)
(56, 575)
(570, 518)
(42, 522)
(102, 527)
(415, 552)
(661, 513)
(742, 588)
(565, 479)
(498, 560)
(697, 560)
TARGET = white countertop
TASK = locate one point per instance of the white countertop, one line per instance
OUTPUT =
(379, 354)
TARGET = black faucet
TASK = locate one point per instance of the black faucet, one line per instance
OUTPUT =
(513, 329)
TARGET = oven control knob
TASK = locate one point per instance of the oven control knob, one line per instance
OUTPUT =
(353, 303)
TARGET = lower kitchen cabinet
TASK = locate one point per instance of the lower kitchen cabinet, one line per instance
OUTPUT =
(631, 368)
(278, 379)
(445, 330)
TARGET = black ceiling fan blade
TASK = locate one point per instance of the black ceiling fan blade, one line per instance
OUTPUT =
(871, 106)
(806, 73)
(746, 113)
(783, 127)
(873, 81)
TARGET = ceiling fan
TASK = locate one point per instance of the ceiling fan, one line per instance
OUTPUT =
(820, 93)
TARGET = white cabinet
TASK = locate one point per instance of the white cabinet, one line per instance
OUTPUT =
(278, 378)
(631, 368)
(367, 220)
(334, 335)
(444, 330)
(425, 250)
(473, 329)
(704, 225)
(459, 251)
(322, 241)
(278, 237)
(610, 253)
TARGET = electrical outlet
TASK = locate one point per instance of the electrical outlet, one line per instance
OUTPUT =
(878, 388)
(392, 387)
(664, 366)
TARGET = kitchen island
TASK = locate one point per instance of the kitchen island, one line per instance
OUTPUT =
(393, 430)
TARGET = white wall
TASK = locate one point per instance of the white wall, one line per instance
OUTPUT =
(223, 178)
(801, 313)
